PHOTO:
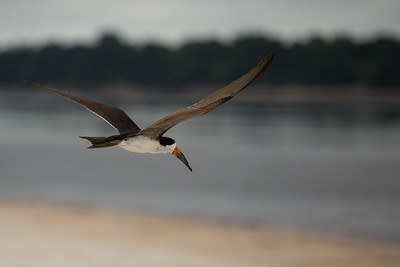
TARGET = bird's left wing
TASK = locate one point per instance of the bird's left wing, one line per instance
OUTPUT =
(158, 128)
(114, 116)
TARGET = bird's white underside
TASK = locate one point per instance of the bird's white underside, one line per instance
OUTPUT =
(140, 144)
(143, 144)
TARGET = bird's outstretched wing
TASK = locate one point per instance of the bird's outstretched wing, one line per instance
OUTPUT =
(158, 128)
(114, 116)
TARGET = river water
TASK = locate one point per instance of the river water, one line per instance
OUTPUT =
(320, 166)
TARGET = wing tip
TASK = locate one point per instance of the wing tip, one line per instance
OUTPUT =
(268, 59)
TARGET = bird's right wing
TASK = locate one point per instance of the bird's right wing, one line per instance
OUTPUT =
(158, 128)
(116, 117)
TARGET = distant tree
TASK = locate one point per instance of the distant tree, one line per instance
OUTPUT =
(314, 62)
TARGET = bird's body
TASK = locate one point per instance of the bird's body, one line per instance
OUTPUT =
(144, 144)
(151, 139)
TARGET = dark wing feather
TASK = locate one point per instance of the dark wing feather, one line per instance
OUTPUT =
(113, 116)
(158, 128)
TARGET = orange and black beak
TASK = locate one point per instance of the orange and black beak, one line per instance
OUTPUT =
(178, 153)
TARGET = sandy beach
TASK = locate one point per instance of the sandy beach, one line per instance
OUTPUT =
(42, 235)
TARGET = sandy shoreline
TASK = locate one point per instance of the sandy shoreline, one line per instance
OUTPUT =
(41, 235)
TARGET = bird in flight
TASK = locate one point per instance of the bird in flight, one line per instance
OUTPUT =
(151, 139)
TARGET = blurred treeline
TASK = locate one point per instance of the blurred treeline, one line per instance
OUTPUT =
(340, 61)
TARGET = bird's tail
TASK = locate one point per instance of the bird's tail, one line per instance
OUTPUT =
(98, 142)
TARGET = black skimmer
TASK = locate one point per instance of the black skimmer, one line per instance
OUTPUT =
(151, 139)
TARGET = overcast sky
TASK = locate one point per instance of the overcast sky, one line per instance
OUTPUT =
(38, 21)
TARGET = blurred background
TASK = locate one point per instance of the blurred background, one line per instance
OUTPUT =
(313, 145)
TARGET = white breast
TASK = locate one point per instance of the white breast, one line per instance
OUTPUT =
(142, 144)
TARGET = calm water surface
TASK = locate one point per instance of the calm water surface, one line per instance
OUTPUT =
(331, 167)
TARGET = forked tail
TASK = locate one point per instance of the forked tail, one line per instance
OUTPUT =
(98, 142)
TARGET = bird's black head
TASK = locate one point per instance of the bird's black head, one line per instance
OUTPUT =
(171, 147)
(166, 141)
